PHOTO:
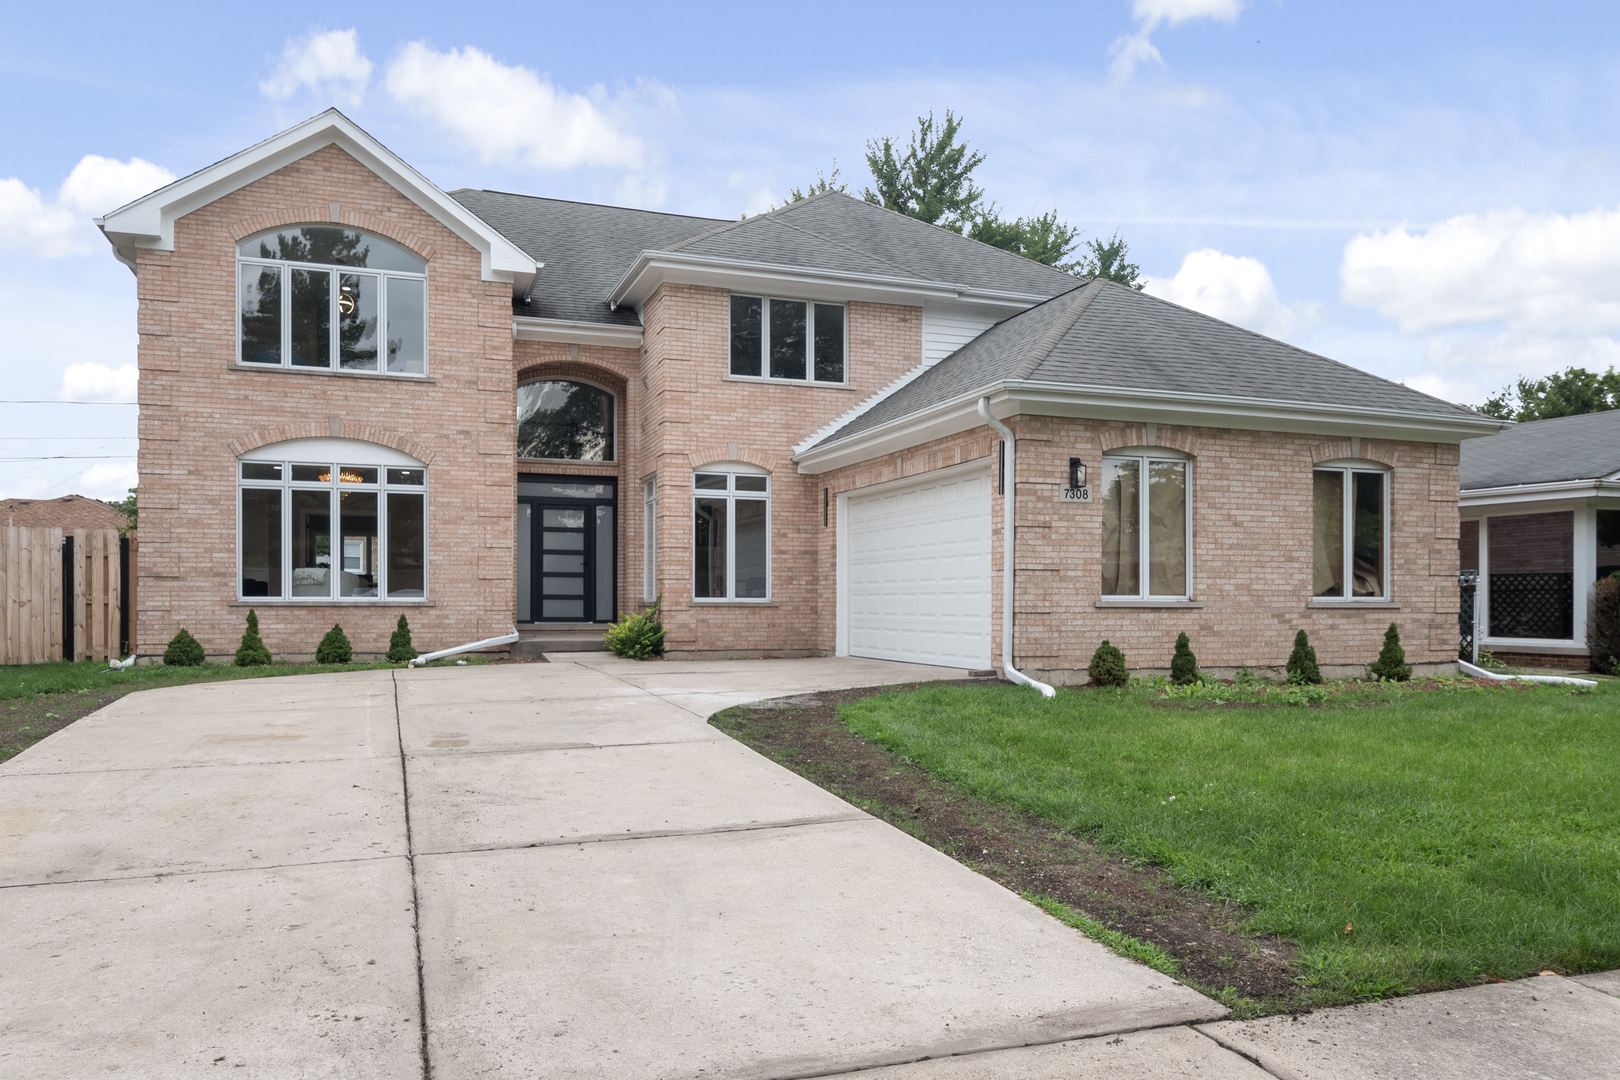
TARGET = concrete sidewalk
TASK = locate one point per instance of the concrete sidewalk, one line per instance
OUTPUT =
(563, 870)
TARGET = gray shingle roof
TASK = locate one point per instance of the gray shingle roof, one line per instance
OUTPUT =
(586, 248)
(1105, 335)
(1544, 452)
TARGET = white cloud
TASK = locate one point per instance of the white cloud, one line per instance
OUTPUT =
(328, 63)
(98, 382)
(62, 227)
(1129, 51)
(1546, 272)
(1235, 288)
(110, 480)
(506, 113)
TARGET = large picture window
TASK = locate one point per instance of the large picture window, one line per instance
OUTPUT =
(796, 340)
(325, 297)
(1349, 534)
(331, 531)
(565, 421)
(731, 534)
(1146, 527)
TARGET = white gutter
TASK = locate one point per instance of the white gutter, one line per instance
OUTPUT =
(1481, 673)
(1551, 489)
(1008, 517)
(487, 643)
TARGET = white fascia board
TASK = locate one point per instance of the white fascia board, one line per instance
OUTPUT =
(653, 268)
(148, 222)
(1536, 493)
(1103, 403)
(572, 332)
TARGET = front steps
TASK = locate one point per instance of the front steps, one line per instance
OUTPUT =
(537, 639)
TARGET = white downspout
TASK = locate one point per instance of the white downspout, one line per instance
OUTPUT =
(1007, 518)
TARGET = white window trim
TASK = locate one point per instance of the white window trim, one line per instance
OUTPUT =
(649, 540)
(617, 426)
(286, 485)
(731, 495)
(764, 375)
(1348, 469)
(334, 351)
(1144, 576)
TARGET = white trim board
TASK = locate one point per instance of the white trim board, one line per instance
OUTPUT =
(148, 222)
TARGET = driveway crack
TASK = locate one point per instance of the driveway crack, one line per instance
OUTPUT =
(416, 900)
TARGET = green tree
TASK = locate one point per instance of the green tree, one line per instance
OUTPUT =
(825, 182)
(400, 648)
(1302, 665)
(1391, 663)
(1570, 392)
(1041, 237)
(334, 647)
(1107, 667)
(932, 180)
(252, 651)
(126, 506)
(1183, 664)
(1107, 260)
(184, 651)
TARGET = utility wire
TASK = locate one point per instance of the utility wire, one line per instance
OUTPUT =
(47, 401)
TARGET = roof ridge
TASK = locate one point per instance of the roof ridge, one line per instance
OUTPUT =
(905, 270)
(1081, 300)
(583, 202)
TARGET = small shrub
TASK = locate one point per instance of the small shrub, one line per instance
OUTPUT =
(252, 653)
(1245, 677)
(1107, 667)
(400, 648)
(1391, 663)
(637, 637)
(1302, 667)
(334, 647)
(1183, 665)
(1603, 624)
(183, 651)
(1488, 660)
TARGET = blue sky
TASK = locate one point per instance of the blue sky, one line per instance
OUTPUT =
(1428, 192)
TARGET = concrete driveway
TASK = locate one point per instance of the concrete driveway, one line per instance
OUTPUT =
(554, 871)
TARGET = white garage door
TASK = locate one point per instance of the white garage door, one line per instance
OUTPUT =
(919, 572)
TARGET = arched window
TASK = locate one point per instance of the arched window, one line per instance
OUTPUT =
(563, 420)
(321, 296)
(331, 519)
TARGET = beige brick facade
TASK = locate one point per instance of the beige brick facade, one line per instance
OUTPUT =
(678, 410)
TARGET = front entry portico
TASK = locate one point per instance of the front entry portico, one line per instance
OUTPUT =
(567, 563)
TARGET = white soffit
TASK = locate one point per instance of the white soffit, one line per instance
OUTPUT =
(148, 222)
(571, 332)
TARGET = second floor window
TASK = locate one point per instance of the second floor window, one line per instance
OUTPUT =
(319, 296)
(795, 340)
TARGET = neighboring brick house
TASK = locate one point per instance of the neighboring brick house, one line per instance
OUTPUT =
(362, 396)
(67, 513)
(1540, 524)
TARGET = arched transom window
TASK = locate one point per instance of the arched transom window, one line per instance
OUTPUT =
(320, 296)
(563, 420)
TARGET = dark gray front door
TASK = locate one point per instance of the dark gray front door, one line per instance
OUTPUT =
(566, 558)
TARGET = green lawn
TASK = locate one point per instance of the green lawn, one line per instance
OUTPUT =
(1404, 840)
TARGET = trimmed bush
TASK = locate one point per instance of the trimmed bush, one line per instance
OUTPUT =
(637, 637)
(183, 651)
(1603, 625)
(1391, 663)
(334, 647)
(252, 653)
(400, 648)
(1302, 667)
(1183, 665)
(1107, 667)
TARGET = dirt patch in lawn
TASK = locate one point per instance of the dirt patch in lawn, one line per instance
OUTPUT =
(1022, 852)
(25, 721)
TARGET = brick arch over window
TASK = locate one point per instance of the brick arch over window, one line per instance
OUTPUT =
(1136, 435)
(347, 429)
(723, 451)
(577, 371)
(1340, 449)
(317, 215)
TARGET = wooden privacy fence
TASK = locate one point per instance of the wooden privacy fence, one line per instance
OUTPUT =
(65, 594)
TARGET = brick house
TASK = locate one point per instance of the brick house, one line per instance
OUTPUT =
(362, 396)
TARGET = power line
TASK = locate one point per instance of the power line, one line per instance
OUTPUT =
(69, 457)
(66, 438)
(48, 401)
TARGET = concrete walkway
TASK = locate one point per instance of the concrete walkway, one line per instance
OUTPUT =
(561, 870)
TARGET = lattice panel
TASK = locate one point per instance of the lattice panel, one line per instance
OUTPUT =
(1532, 606)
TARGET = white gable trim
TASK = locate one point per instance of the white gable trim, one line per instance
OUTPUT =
(148, 222)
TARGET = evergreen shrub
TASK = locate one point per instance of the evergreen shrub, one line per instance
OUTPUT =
(1183, 665)
(1391, 663)
(1107, 667)
(637, 637)
(1302, 667)
(252, 651)
(183, 651)
(334, 647)
(400, 648)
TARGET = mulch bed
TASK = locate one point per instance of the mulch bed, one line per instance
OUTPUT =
(1019, 851)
